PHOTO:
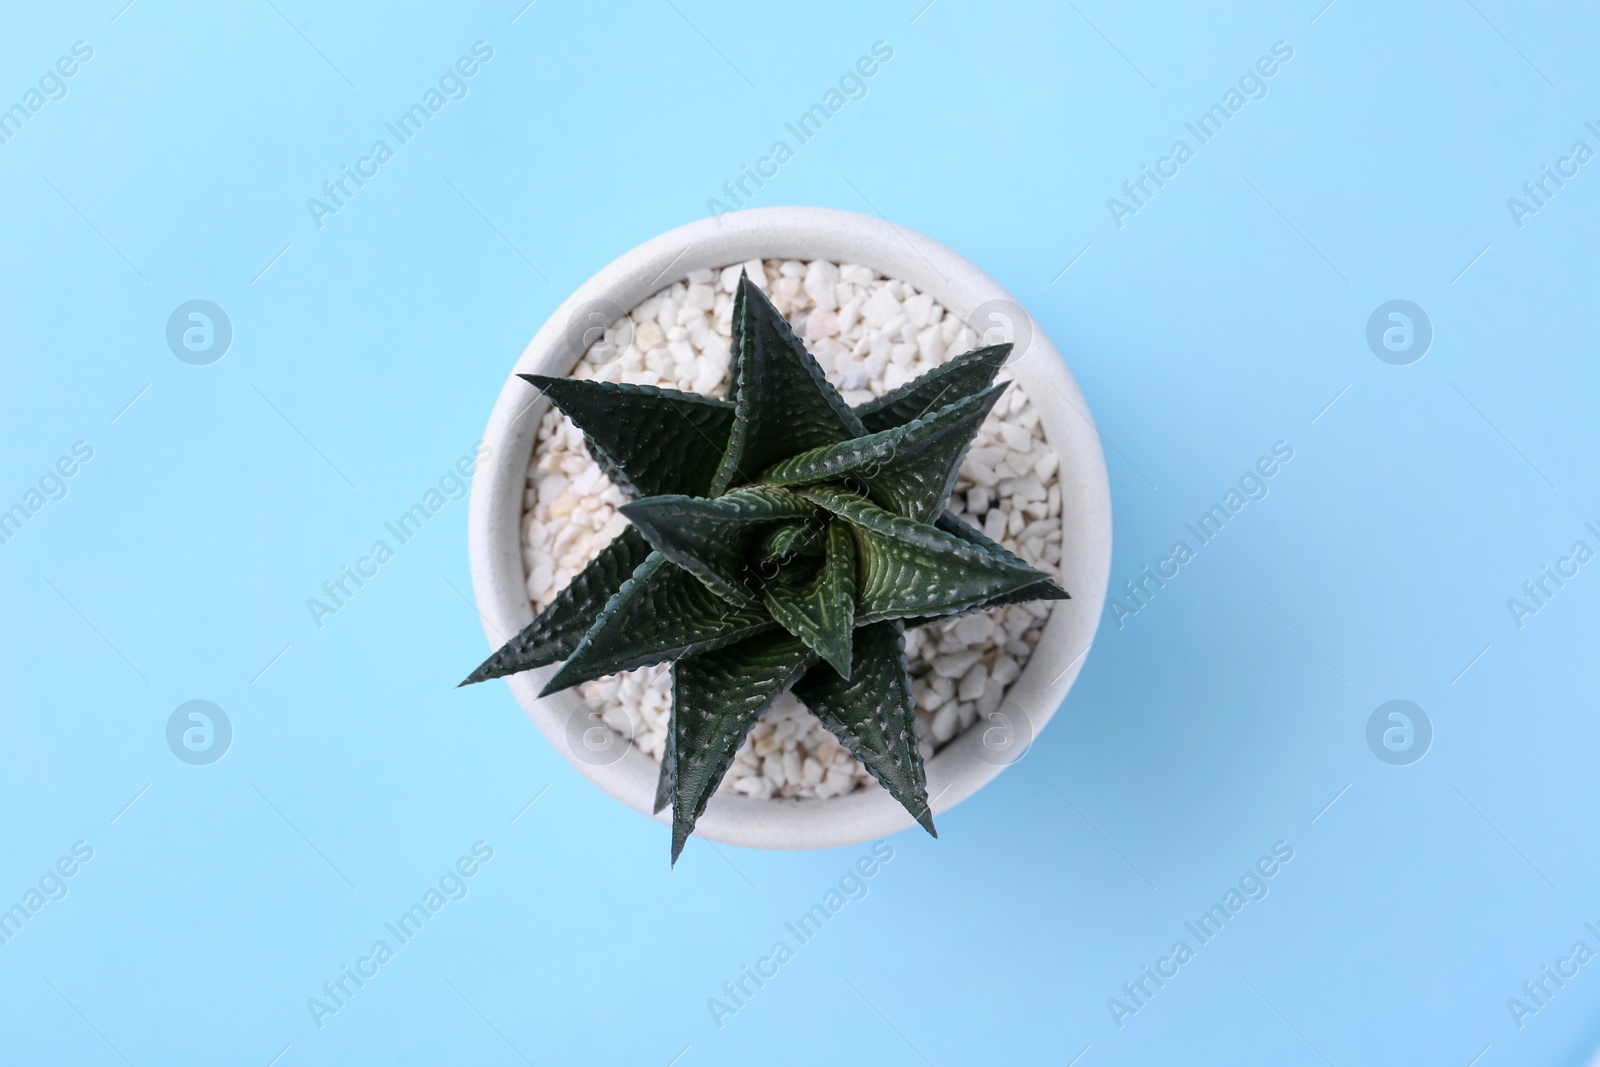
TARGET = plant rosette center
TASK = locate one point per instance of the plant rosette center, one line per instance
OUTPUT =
(779, 540)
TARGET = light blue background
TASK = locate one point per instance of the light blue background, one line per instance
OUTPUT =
(1225, 716)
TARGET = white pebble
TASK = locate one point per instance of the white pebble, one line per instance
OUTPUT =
(822, 279)
(880, 308)
(971, 629)
(823, 322)
(973, 683)
(1016, 438)
(918, 309)
(994, 524)
(955, 665)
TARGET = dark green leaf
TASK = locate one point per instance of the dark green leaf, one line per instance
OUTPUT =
(783, 404)
(966, 375)
(660, 613)
(736, 343)
(1044, 589)
(648, 441)
(558, 629)
(950, 523)
(907, 569)
(716, 698)
(715, 537)
(823, 613)
(908, 469)
(664, 779)
(872, 714)
(973, 535)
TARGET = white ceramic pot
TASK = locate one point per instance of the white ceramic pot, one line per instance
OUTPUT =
(969, 762)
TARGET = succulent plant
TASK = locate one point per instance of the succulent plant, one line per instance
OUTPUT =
(779, 540)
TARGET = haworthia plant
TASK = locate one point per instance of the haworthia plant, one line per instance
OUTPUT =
(780, 540)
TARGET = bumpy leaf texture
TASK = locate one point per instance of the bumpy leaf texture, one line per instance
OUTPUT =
(780, 540)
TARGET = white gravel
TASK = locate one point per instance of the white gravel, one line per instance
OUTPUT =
(871, 335)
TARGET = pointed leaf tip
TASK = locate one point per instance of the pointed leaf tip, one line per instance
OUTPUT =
(668, 779)
(557, 630)
(873, 714)
(716, 699)
(783, 402)
(963, 376)
(660, 613)
(649, 441)
(908, 569)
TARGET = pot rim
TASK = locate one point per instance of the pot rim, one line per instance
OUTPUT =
(972, 759)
